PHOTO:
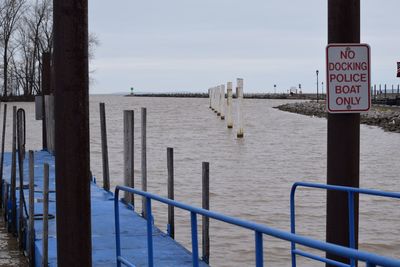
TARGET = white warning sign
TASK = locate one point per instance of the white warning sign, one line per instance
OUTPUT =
(348, 78)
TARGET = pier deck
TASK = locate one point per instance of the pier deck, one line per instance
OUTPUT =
(167, 252)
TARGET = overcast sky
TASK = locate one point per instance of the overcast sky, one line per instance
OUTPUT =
(184, 45)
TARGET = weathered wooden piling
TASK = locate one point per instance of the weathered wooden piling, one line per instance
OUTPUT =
(31, 224)
(222, 101)
(21, 157)
(218, 100)
(45, 240)
(71, 81)
(229, 105)
(2, 154)
(13, 197)
(129, 154)
(144, 158)
(343, 139)
(206, 205)
(104, 148)
(239, 90)
(171, 212)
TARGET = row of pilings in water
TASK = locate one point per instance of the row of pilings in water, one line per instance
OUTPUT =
(224, 106)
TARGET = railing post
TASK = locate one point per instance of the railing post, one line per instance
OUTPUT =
(14, 174)
(170, 169)
(195, 248)
(104, 148)
(352, 239)
(149, 232)
(2, 202)
(144, 158)
(129, 154)
(293, 223)
(117, 229)
(31, 209)
(206, 205)
(259, 249)
(45, 239)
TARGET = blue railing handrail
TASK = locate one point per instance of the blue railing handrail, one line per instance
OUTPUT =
(350, 191)
(259, 229)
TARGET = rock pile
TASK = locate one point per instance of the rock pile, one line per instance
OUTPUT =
(386, 117)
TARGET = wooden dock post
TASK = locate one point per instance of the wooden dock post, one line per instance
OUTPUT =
(13, 196)
(129, 177)
(2, 202)
(31, 225)
(206, 205)
(229, 105)
(218, 100)
(21, 157)
(45, 239)
(239, 90)
(144, 159)
(171, 211)
(222, 101)
(104, 148)
(71, 84)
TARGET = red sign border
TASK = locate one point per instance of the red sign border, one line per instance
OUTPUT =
(369, 78)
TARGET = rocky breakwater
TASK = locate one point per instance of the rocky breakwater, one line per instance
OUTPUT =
(386, 117)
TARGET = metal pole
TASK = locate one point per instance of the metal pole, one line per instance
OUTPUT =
(343, 134)
(170, 169)
(14, 175)
(45, 239)
(21, 157)
(31, 209)
(46, 81)
(71, 69)
(2, 156)
(144, 159)
(104, 148)
(317, 84)
(129, 154)
(206, 205)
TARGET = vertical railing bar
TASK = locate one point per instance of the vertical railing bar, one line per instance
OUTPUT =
(117, 230)
(293, 224)
(149, 232)
(144, 159)
(195, 248)
(259, 249)
(2, 201)
(206, 205)
(13, 175)
(31, 210)
(351, 225)
(45, 215)
(170, 184)
(104, 147)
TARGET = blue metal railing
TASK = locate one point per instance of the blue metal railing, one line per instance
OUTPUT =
(350, 192)
(259, 230)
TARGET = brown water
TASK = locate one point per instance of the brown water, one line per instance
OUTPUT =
(249, 178)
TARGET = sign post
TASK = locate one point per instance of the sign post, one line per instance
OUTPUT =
(348, 78)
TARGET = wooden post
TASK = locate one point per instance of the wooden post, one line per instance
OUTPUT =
(206, 205)
(222, 101)
(229, 105)
(343, 153)
(14, 175)
(144, 159)
(104, 148)
(46, 80)
(129, 154)
(171, 212)
(71, 83)
(2, 202)
(31, 242)
(21, 156)
(239, 90)
(45, 240)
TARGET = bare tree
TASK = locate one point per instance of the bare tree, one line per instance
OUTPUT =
(10, 15)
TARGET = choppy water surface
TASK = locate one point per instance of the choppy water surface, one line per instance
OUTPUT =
(249, 178)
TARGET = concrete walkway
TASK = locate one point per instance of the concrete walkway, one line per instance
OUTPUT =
(10, 256)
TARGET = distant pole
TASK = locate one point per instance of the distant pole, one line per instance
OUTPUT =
(144, 159)
(385, 91)
(229, 105)
(31, 226)
(240, 131)
(129, 154)
(275, 89)
(222, 101)
(104, 147)
(71, 69)
(322, 90)
(218, 99)
(343, 134)
(317, 84)
(206, 205)
(46, 82)
(170, 169)
(2, 155)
